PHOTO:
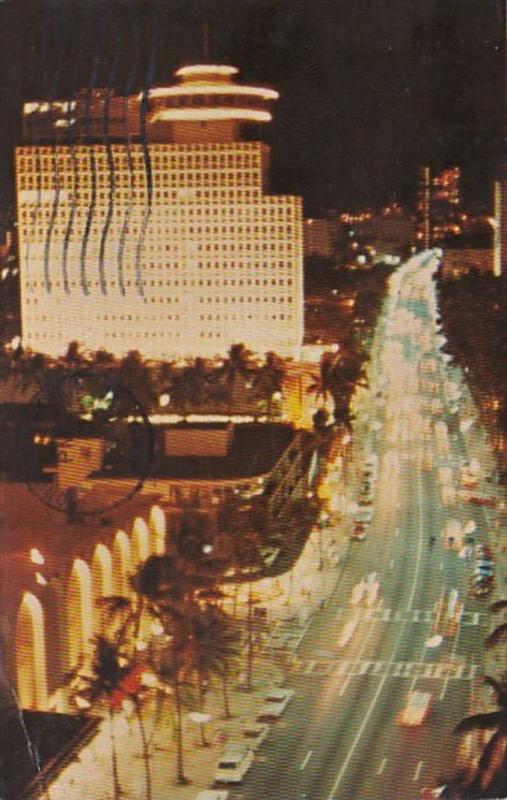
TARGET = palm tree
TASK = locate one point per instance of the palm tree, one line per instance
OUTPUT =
(237, 364)
(168, 662)
(30, 368)
(167, 587)
(136, 376)
(269, 380)
(323, 382)
(491, 771)
(215, 647)
(247, 557)
(500, 632)
(74, 357)
(102, 684)
(164, 377)
(103, 361)
(181, 392)
(198, 378)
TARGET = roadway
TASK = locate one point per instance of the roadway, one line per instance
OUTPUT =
(340, 737)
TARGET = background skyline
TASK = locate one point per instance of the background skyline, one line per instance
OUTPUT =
(368, 90)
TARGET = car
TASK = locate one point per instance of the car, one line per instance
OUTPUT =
(275, 703)
(484, 562)
(364, 503)
(482, 501)
(483, 550)
(364, 515)
(347, 632)
(428, 792)
(360, 536)
(254, 734)
(417, 708)
(482, 590)
(213, 794)
(234, 763)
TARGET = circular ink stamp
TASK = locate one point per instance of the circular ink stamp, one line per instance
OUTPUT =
(92, 442)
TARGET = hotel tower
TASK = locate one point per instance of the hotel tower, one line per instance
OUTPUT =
(145, 222)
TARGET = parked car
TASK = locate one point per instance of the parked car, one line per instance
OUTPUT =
(213, 794)
(275, 703)
(255, 734)
(234, 763)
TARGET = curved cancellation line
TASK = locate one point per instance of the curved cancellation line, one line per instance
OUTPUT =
(146, 153)
(93, 193)
(36, 208)
(75, 172)
(56, 174)
(110, 162)
(128, 212)
(73, 206)
(38, 168)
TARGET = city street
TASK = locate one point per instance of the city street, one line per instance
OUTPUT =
(415, 628)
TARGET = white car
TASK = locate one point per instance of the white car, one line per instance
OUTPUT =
(254, 734)
(234, 763)
(364, 515)
(213, 794)
(275, 703)
(347, 632)
(416, 710)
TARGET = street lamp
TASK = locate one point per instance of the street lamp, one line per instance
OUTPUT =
(200, 719)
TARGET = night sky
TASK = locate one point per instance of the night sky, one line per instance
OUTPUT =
(369, 89)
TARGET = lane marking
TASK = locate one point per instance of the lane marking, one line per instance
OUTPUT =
(306, 759)
(366, 719)
(345, 684)
(418, 771)
(382, 765)
(419, 548)
(453, 653)
(441, 565)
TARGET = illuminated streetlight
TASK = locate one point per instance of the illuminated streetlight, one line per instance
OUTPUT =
(36, 556)
(156, 628)
(82, 702)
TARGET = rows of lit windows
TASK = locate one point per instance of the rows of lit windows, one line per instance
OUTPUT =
(176, 156)
(62, 319)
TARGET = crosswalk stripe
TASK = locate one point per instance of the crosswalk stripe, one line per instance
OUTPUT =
(398, 669)
(416, 615)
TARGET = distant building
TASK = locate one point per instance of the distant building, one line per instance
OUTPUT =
(500, 225)
(438, 204)
(460, 261)
(207, 463)
(389, 229)
(161, 235)
(319, 237)
(424, 206)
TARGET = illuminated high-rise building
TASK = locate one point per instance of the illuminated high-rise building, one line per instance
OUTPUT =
(424, 206)
(145, 222)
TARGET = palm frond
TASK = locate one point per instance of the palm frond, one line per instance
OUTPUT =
(498, 606)
(500, 689)
(477, 722)
(496, 636)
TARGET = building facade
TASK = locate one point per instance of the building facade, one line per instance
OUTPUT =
(145, 222)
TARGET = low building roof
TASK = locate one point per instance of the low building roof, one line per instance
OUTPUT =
(254, 450)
